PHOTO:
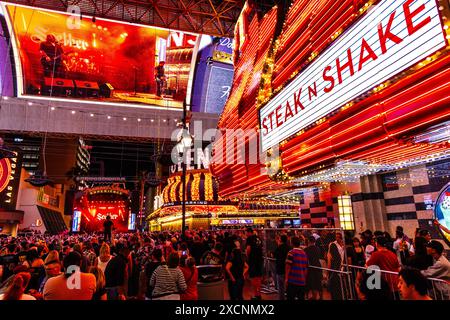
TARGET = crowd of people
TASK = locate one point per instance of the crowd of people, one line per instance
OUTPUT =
(300, 264)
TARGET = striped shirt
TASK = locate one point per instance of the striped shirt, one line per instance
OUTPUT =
(165, 281)
(298, 260)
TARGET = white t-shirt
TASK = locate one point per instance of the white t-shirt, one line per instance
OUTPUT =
(24, 297)
(396, 247)
(368, 251)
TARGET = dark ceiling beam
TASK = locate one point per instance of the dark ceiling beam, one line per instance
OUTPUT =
(212, 17)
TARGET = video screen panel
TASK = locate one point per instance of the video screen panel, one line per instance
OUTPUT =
(76, 221)
(213, 75)
(104, 60)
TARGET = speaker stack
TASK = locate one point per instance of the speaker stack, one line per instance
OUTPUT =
(58, 87)
(106, 90)
(87, 89)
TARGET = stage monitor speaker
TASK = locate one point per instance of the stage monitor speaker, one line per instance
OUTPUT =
(87, 89)
(106, 90)
(58, 87)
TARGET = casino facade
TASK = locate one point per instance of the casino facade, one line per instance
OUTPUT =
(348, 105)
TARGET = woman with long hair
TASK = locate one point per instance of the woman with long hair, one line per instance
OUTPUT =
(16, 290)
(190, 273)
(104, 257)
(100, 292)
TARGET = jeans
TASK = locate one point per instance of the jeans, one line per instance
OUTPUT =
(235, 289)
(107, 236)
(294, 291)
(279, 279)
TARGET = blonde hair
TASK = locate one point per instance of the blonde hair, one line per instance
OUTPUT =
(104, 251)
(99, 276)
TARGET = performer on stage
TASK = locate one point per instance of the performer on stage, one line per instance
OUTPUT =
(51, 57)
(160, 78)
(108, 226)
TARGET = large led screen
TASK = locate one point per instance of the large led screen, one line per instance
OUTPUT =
(104, 60)
(442, 211)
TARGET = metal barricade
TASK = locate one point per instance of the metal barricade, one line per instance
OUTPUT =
(437, 289)
(327, 277)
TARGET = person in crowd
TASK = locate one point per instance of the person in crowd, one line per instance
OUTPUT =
(183, 249)
(72, 284)
(168, 281)
(150, 267)
(335, 260)
(187, 266)
(314, 275)
(280, 255)
(366, 288)
(255, 258)
(426, 235)
(236, 269)
(296, 270)
(420, 259)
(440, 268)
(35, 266)
(100, 291)
(89, 253)
(104, 257)
(116, 273)
(386, 260)
(412, 285)
(84, 260)
(108, 226)
(356, 254)
(16, 290)
(369, 246)
(402, 246)
(52, 266)
(213, 257)
(197, 249)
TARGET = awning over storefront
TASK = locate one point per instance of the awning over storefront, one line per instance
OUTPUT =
(53, 220)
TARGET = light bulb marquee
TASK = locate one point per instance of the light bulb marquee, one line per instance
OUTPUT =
(374, 114)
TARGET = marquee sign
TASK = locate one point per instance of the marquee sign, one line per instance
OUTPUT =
(393, 36)
(5, 173)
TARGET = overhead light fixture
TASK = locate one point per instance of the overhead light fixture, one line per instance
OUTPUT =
(39, 179)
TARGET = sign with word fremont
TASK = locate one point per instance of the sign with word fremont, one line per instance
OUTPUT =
(392, 36)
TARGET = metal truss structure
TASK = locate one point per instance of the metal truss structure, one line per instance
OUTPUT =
(213, 17)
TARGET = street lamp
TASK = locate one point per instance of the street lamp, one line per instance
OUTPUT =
(183, 146)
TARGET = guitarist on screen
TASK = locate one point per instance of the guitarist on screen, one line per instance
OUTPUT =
(51, 57)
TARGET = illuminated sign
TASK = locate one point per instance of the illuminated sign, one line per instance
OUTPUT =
(238, 221)
(76, 221)
(9, 181)
(132, 222)
(393, 36)
(442, 210)
(5, 173)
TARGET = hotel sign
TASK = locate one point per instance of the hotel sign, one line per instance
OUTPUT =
(393, 36)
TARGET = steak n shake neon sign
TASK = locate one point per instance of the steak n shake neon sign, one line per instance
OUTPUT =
(393, 36)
